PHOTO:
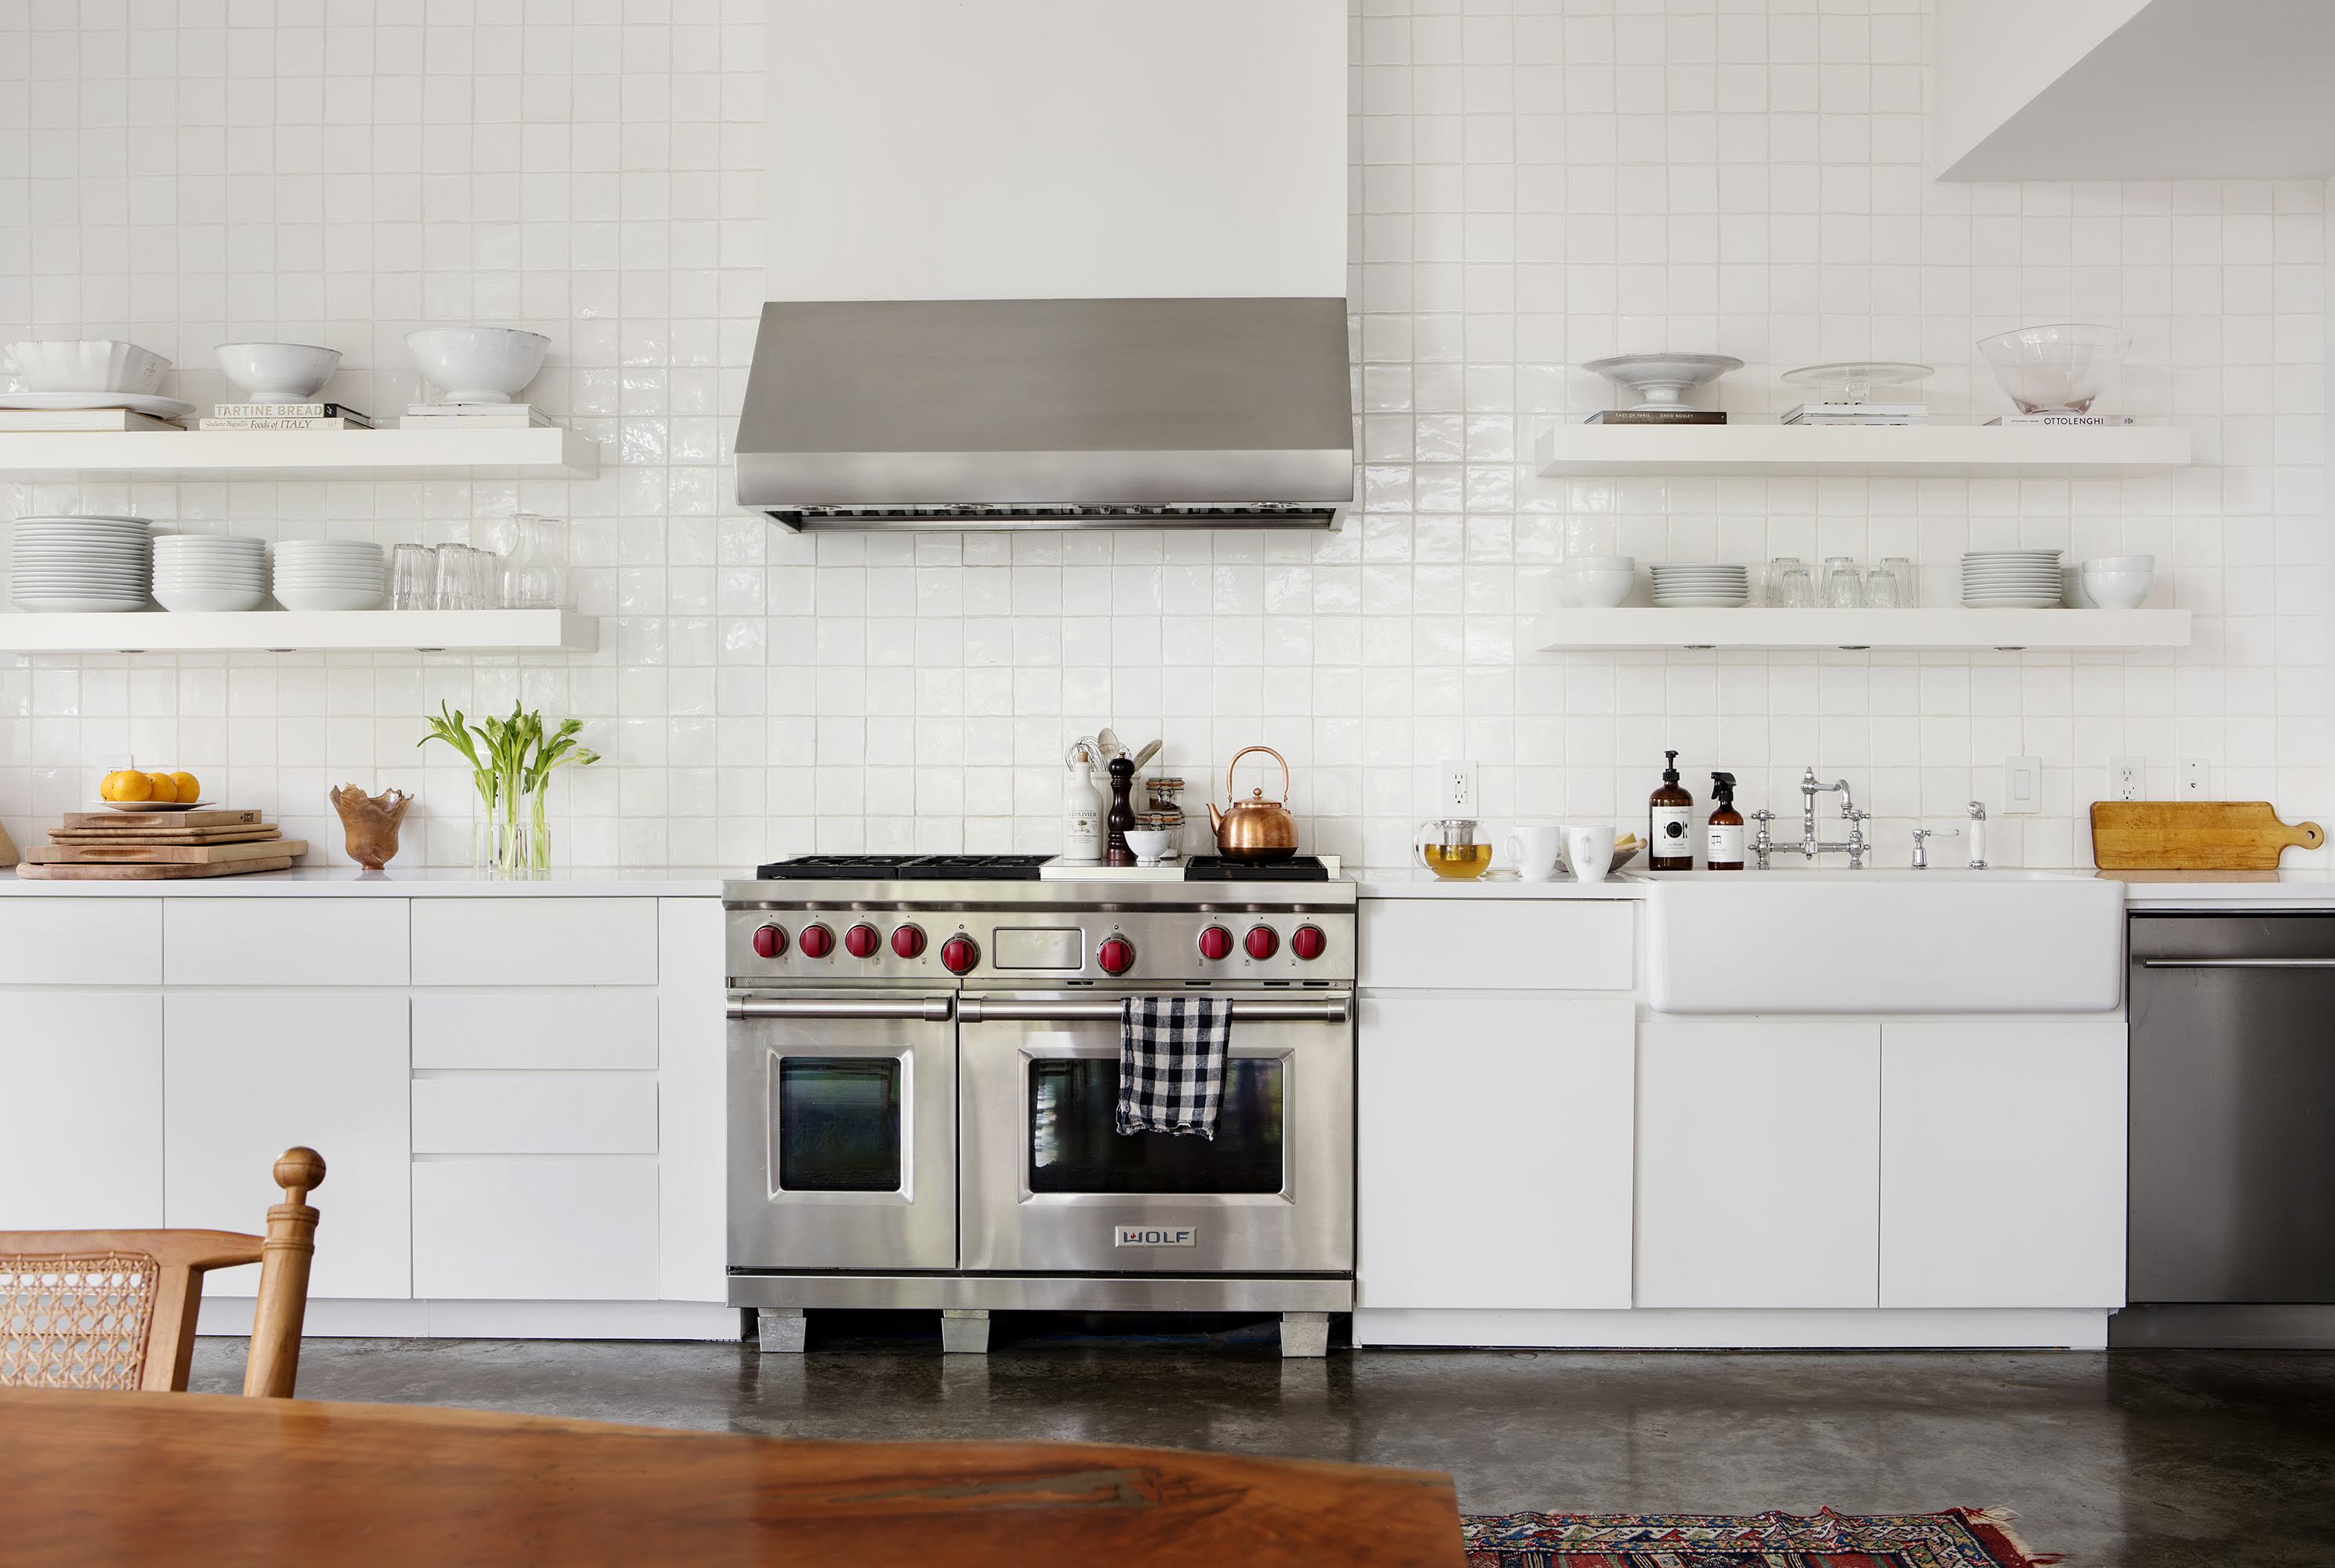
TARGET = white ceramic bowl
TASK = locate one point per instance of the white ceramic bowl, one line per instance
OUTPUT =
(476, 364)
(1149, 843)
(1600, 590)
(90, 364)
(2117, 590)
(322, 598)
(197, 600)
(1598, 564)
(278, 372)
(2122, 563)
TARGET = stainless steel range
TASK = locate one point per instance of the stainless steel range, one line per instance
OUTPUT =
(923, 1074)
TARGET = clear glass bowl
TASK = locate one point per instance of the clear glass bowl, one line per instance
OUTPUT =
(2050, 370)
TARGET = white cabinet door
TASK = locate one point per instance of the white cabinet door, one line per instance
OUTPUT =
(2003, 1162)
(248, 1073)
(83, 1149)
(1493, 1152)
(1759, 1162)
(580, 1229)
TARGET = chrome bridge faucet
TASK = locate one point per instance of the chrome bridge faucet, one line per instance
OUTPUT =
(1853, 846)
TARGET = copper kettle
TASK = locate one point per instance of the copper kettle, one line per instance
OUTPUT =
(1254, 829)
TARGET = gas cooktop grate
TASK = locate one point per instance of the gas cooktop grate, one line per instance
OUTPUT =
(904, 867)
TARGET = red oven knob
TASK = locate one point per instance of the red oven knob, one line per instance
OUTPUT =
(770, 942)
(1262, 942)
(862, 941)
(1307, 942)
(1117, 955)
(958, 954)
(908, 940)
(1215, 942)
(816, 941)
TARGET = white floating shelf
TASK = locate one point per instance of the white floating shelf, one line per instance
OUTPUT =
(2078, 451)
(1945, 630)
(307, 630)
(555, 452)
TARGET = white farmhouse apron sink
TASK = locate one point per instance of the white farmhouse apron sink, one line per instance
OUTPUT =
(1945, 939)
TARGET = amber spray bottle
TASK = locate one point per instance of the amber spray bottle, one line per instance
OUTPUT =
(1723, 849)
(1670, 823)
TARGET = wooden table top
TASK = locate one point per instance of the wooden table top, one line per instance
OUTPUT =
(202, 1478)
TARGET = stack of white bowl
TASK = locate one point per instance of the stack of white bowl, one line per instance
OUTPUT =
(2113, 583)
(328, 574)
(2011, 579)
(1717, 587)
(95, 564)
(199, 572)
(1599, 582)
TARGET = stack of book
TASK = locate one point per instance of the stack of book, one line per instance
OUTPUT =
(474, 417)
(1859, 414)
(2064, 419)
(286, 417)
(51, 420)
(1656, 417)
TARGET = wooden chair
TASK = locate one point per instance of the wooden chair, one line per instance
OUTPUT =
(116, 1309)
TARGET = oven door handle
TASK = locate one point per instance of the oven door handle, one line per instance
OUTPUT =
(924, 1009)
(981, 1009)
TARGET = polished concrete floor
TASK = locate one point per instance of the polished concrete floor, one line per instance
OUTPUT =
(2136, 1459)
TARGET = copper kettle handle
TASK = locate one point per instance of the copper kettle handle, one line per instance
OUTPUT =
(1269, 751)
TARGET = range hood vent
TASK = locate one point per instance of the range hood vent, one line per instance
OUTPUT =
(1049, 413)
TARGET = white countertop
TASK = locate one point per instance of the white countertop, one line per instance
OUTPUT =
(2229, 891)
(397, 882)
(1418, 882)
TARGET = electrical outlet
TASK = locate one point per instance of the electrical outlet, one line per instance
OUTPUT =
(2023, 784)
(2196, 778)
(2128, 777)
(1455, 789)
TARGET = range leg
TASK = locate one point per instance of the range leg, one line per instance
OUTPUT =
(781, 1330)
(965, 1330)
(1305, 1333)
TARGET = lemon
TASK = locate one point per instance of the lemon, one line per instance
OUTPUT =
(129, 784)
(190, 789)
(165, 786)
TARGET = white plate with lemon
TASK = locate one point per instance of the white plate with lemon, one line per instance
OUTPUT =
(134, 789)
(154, 804)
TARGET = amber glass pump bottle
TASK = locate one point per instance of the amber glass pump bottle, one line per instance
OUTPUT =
(1670, 823)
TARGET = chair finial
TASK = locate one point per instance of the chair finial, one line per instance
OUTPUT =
(299, 1171)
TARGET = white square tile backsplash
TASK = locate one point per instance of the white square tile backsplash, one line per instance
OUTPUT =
(1535, 183)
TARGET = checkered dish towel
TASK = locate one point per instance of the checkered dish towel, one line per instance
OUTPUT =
(1171, 1062)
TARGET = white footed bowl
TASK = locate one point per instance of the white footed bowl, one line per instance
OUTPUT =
(278, 372)
(476, 364)
(89, 364)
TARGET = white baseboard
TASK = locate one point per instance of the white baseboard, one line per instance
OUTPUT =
(1654, 1329)
(341, 1319)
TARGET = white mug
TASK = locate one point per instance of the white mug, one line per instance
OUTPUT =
(1535, 847)
(1590, 848)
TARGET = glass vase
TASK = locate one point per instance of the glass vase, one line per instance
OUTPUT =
(538, 831)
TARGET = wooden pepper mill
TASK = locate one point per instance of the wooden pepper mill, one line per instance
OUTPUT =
(1122, 817)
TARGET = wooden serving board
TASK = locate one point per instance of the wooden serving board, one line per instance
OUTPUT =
(165, 835)
(146, 873)
(2193, 836)
(162, 854)
(216, 817)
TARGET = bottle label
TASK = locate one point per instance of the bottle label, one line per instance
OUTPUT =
(1671, 827)
(1725, 847)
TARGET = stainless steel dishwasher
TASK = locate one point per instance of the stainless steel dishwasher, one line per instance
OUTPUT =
(2233, 1148)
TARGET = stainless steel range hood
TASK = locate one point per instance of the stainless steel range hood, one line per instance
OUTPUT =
(1049, 413)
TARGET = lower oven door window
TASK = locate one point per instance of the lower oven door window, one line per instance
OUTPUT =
(837, 1119)
(1075, 1144)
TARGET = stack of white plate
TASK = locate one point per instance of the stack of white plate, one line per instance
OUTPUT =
(194, 572)
(2011, 579)
(327, 575)
(80, 564)
(1678, 587)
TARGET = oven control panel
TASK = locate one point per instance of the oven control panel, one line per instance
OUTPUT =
(1228, 945)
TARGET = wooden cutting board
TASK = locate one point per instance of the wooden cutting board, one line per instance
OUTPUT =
(7, 848)
(216, 817)
(164, 834)
(2193, 836)
(162, 854)
(146, 873)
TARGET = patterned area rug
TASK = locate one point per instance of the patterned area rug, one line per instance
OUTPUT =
(1958, 1538)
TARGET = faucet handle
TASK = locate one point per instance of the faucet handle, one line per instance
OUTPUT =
(1978, 810)
(1763, 816)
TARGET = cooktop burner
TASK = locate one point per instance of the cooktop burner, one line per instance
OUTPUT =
(1217, 868)
(904, 867)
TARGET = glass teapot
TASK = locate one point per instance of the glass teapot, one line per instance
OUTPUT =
(1451, 848)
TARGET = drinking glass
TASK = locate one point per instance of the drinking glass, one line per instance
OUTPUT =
(1881, 588)
(413, 578)
(1901, 571)
(1843, 587)
(1796, 588)
(1778, 569)
(466, 579)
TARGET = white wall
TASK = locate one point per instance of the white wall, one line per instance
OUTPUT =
(1994, 56)
(1534, 185)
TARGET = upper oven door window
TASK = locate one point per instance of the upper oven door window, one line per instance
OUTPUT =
(1075, 1144)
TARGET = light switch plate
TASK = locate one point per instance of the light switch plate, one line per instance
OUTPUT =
(2023, 784)
(2196, 778)
(2128, 777)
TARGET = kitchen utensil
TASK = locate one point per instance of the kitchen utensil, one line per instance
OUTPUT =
(150, 872)
(1254, 829)
(277, 372)
(1900, 571)
(87, 365)
(1856, 381)
(2056, 369)
(1600, 582)
(1536, 848)
(91, 565)
(1149, 844)
(2011, 579)
(1452, 848)
(1719, 586)
(2118, 582)
(152, 854)
(1148, 753)
(1662, 381)
(149, 807)
(476, 364)
(2193, 836)
(1844, 584)
(1589, 850)
(1109, 746)
(2071, 589)
(413, 578)
(179, 817)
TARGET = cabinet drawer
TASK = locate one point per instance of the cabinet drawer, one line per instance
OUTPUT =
(536, 1113)
(535, 942)
(546, 1229)
(306, 942)
(1504, 944)
(81, 941)
(541, 1030)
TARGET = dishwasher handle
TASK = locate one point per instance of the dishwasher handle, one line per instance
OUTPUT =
(981, 1010)
(921, 1009)
(2238, 964)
